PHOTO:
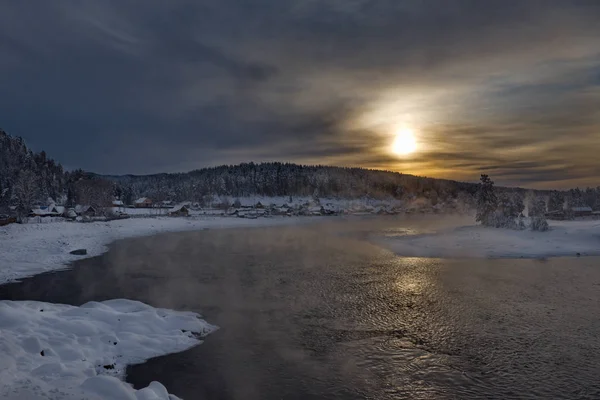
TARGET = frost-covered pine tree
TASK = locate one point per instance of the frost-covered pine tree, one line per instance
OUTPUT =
(26, 192)
(556, 201)
(46, 176)
(315, 197)
(508, 211)
(537, 209)
(502, 215)
(487, 202)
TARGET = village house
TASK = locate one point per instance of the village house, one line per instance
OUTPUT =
(85, 211)
(143, 202)
(47, 211)
(70, 213)
(558, 215)
(180, 210)
(581, 211)
(283, 210)
(7, 219)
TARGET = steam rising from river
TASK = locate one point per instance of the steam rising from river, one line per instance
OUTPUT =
(319, 310)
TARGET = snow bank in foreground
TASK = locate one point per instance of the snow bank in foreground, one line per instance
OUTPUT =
(54, 351)
(566, 238)
(30, 249)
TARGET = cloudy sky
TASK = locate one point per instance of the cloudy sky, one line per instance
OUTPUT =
(509, 87)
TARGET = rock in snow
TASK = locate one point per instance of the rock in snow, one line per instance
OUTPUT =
(79, 252)
(55, 351)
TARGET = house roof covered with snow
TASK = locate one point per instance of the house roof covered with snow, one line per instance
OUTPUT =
(42, 211)
(51, 209)
(178, 207)
(142, 200)
(58, 209)
(82, 208)
(582, 209)
(117, 203)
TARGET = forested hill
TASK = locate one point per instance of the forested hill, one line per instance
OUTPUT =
(24, 173)
(28, 178)
(285, 179)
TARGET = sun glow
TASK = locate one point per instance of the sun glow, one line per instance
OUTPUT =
(404, 143)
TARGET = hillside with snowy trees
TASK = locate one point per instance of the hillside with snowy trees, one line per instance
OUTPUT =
(25, 176)
(285, 180)
(29, 179)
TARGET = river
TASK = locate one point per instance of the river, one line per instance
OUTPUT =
(319, 312)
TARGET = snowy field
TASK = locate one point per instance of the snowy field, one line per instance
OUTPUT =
(30, 249)
(565, 238)
(54, 351)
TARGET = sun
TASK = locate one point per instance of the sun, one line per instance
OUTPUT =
(404, 143)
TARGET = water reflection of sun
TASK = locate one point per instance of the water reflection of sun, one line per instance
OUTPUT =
(417, 279)
(411, 284)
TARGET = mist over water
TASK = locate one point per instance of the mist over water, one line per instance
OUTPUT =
(319, 311)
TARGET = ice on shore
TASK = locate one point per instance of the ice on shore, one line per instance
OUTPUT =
(565, 238)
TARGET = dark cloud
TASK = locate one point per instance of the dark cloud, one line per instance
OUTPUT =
(506, 86)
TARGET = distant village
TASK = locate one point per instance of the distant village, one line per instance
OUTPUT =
(146, 207)
(251, 208)
(34, 188)
(575, 212)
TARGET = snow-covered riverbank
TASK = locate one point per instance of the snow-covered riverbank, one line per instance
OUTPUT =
(565, 238)
(30, 249)
(55, 351)
(67, 352)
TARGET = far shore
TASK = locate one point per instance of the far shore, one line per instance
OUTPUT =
(564, 239)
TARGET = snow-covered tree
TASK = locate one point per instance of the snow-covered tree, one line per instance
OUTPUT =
(16, 158)
(95, 192)
(4, 198)
(26, 193)
(575, 198)
(537, 209)
(590, 197)
(556, 201)
(315, 197)
(486, 201)
(509, 209)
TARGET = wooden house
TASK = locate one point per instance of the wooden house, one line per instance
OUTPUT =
(143, 202)
(581, 211)
(180, 210)
(85, 211)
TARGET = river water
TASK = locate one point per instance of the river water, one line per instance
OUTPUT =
(319, 312)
